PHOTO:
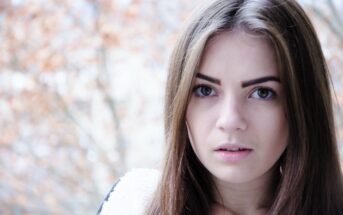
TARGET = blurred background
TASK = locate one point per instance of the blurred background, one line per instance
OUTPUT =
(81, 94)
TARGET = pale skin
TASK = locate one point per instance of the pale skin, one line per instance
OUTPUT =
(238, 102)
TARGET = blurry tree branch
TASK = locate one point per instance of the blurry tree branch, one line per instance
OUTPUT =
(337, 19)
(335, 22)
(103, 83)
(71, 115)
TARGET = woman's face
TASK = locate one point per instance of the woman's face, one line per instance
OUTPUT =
(236, 120)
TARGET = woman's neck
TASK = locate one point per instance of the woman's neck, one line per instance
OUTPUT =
(253, 197)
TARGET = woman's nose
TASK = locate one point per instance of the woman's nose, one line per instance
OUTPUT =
(231, 117)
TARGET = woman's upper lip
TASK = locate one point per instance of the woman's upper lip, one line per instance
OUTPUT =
(231, 146)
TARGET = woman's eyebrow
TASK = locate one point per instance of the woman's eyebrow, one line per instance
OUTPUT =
(208, 78)
(260, 80)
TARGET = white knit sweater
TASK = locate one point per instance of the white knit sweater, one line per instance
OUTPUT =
(132, 193)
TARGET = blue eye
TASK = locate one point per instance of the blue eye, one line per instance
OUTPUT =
(263, 93)
(203, 91)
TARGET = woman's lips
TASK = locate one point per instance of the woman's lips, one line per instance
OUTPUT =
(232, 152)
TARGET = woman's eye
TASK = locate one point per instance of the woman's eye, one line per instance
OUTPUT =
(202, 91)
(263, 93)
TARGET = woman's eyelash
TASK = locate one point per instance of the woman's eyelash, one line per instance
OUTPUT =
(264, 93)
(203, 90)
(260, 93)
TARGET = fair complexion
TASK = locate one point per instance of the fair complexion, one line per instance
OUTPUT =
(236, 121)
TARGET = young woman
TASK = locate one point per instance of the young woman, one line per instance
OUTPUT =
(248, 118)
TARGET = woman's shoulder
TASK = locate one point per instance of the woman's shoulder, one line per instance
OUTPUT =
(131, 194)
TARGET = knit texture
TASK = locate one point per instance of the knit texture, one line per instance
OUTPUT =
(132, 194)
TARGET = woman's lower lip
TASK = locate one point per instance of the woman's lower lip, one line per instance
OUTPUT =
(233, 156)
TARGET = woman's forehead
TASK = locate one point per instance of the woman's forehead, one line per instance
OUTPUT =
(233, 51)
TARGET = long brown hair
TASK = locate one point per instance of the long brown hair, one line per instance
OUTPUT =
(311, 182)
